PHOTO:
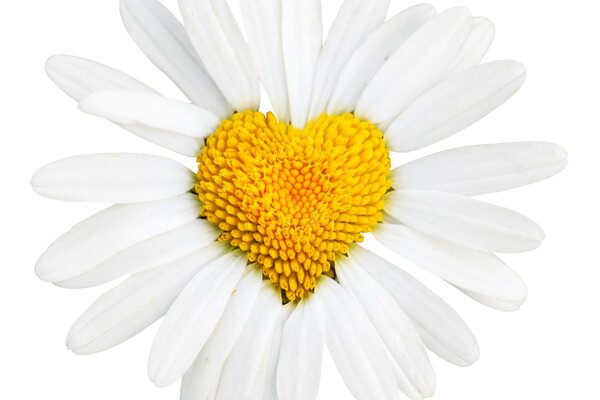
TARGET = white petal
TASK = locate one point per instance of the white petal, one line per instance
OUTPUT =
(152, 111)
(481, 169)
(417, 66)
(299, 370)
(192, 318)
(464, 221)
(476, 46)
(164, 40)
(262, 19)
(472, 270)
(112, 230)
(213, 392)
(185, 145)
(148, 254)
(372, 54)
(455, 104)
(114, 178)
(440, 327)
(135, 304)
(301, 36)
(78, 77)
(265, 386)
(360, 356)
(205, 372)
(223, 50)
(354, 22)
(492, 302)
(242, 365)
(392, 324)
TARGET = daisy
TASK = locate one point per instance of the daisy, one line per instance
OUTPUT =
(254, 259)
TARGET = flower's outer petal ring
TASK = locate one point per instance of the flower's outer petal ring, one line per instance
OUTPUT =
(113, 178)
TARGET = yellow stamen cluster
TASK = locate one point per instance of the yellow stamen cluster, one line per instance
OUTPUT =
(292, 199)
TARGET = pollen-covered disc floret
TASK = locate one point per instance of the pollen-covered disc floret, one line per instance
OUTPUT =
(293, 199)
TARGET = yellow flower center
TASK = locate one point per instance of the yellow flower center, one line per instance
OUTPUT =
(293, 199)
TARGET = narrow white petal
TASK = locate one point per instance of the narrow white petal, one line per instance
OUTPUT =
(151, 111)
(392, 324)
(265, 386)
(472, 270)
(223, 50)
(360, 356)
(416, 67)
(113, 178)
(148, 254)
(458, 102)
(244, 361)
(262, 19)
(299, 370)
(481, 169)
(464, 221)
(476, 46)
(440, 327)
(302, 38)
(135, 304)
(79, 77)
(187, 125)
(493, 302)
(188, 146)
(372, 54)
(110, 231)
(354, 22)
(192, 318)
(213, 392)
(165, 42)
(204, 374)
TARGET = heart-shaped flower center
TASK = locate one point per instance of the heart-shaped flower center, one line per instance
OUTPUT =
(293, 199)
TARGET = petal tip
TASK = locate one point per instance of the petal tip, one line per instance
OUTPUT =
(473, 356)
(42, 270)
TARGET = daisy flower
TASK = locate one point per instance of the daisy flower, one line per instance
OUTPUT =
(254, 259)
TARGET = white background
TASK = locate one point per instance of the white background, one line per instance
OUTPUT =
(547, 350)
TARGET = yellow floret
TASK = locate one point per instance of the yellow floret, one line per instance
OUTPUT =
(293, 199)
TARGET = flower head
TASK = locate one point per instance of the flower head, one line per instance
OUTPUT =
(255, 258)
